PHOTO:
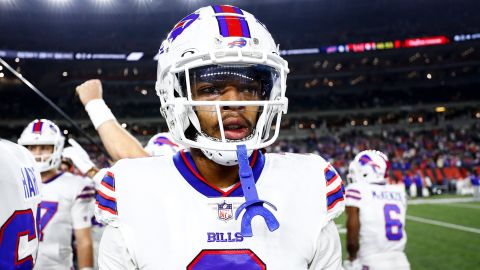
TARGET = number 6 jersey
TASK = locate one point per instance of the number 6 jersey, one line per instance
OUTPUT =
(382, 217)
(163, 215)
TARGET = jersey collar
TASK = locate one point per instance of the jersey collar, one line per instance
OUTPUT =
(53, 178)
(185, 165)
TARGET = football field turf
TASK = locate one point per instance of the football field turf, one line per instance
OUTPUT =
(443, 235)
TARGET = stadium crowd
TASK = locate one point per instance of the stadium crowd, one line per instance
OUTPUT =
(409, 151)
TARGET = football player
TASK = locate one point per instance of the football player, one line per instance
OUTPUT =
(65, 205)
(222, 204)
(19, 198)
(376, 213)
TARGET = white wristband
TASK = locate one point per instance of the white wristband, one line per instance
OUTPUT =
(98, 112)
(86, 268)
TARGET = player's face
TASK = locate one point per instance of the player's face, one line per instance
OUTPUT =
(40, 152)
(238, 121)
(230, 82)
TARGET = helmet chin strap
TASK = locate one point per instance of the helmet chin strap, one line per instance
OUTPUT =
(253, 206)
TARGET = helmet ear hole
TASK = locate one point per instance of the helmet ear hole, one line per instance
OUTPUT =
(187, 53)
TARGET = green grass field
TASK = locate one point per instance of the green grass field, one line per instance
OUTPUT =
(438, 247)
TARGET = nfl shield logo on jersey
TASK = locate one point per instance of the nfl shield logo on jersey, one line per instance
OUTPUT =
(225, 211)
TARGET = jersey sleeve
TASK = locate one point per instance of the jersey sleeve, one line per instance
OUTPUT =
(81, 209)
(353, 195)
(113, 253)
(335, 193)
(328, 254)
(98, 177)
(106, 202)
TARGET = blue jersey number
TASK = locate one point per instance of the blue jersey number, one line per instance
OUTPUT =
(232, 259)
(20, 223)
(50, 210)
(393, 226)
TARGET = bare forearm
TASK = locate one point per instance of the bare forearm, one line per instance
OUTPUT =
(118, 142)
(353, 232)
(85, 254)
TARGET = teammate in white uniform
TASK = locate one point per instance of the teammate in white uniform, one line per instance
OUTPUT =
(162, 144)
(221, 84)
(376, 213)
(66, 199)
(19, 198)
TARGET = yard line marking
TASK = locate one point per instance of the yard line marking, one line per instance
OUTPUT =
(341, 229)
(444, 224)
(441, 201)
(461, 205)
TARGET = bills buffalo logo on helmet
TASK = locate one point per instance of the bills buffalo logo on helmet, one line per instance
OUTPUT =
(366, 160)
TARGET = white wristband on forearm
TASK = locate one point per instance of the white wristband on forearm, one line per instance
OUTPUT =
(98, 112)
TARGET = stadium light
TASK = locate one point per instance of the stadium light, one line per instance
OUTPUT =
(440, 109)
(1, 67)
(7, 3)
(2, 75)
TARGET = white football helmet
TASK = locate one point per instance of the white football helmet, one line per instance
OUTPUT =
(44, 132)
(216, 45)
(369, 166)
(161, 144)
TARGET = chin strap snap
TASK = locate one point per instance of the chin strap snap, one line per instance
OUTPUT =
(253, 206)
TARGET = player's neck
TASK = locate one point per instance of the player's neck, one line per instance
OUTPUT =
(217, 175)
(48, 175)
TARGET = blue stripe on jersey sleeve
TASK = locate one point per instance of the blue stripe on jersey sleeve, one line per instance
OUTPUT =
(105, 202)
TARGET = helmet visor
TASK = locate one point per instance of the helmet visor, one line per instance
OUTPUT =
(230, 82)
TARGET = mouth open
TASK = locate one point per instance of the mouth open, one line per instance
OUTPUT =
(236, 129)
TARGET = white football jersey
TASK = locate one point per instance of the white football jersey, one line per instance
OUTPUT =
(19, 198)
(163, 215)
(382, 217)
(65, 207)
